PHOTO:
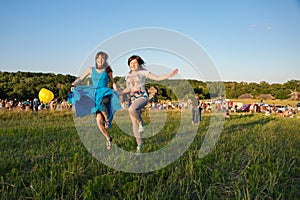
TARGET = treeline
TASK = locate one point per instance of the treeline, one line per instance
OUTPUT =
(26, 85)
(232, 90)
(279, 91)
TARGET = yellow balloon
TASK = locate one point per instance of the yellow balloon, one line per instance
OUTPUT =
(45, 95)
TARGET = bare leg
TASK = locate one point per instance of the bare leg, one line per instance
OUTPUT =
(99, 118)
(105, 100)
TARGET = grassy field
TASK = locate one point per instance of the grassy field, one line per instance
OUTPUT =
(256, 157)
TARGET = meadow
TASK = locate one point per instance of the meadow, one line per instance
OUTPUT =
(256, 157)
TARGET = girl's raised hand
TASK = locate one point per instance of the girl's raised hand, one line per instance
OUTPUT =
(174, 72)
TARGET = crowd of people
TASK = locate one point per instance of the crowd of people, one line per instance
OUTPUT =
(264, 108)
(34, 105)
(269, 109)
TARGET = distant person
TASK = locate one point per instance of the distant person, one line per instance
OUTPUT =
(135, 86)
(70, 98)
(200, 110)
(195, 109)
(98, 98)
(35, 103)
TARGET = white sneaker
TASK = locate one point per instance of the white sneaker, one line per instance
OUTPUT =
(139, 149)
(141, 127)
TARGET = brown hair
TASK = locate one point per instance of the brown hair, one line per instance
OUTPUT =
(139, 60)
(101, 53)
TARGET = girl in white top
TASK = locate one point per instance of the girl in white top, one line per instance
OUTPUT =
(135, 86)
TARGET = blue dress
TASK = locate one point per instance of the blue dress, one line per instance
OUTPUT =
(88, 99)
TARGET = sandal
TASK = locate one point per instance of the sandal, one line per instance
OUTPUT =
(109, 144)
(105, 123)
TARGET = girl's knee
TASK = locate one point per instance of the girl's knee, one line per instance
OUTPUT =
(131, 110)
(99, 116)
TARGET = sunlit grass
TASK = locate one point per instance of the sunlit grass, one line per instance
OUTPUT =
(256, 157)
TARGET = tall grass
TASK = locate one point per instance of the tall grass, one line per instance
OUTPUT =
(256, 157)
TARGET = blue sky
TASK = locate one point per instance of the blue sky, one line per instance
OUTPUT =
(249, 41)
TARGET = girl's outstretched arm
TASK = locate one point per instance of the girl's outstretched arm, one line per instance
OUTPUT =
(83, 76)
(162, 77)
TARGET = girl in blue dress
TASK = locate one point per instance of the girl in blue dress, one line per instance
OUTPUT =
(98, 98)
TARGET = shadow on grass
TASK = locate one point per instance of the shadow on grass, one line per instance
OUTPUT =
(250, 121)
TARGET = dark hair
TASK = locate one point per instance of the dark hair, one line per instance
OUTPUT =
(139, 60)
(101, 53)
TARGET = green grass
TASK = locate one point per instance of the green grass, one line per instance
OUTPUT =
(256, 157)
